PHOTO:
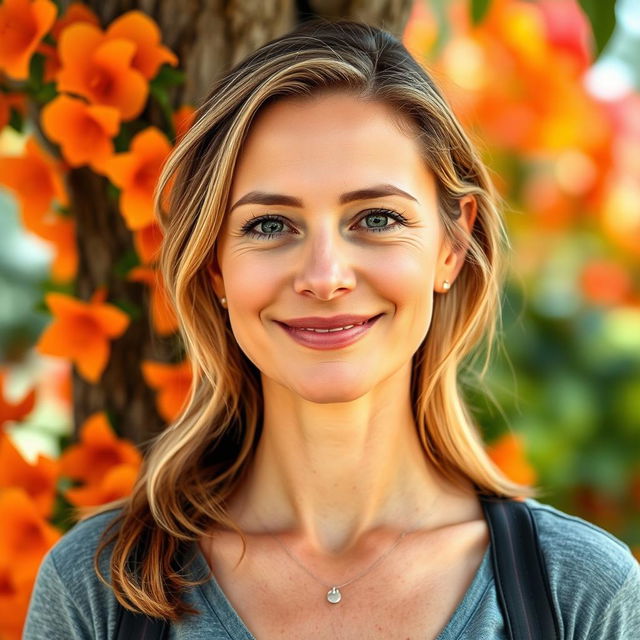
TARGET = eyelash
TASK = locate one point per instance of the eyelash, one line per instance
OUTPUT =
(247, 229)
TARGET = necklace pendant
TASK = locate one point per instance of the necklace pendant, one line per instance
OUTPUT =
(333, 595)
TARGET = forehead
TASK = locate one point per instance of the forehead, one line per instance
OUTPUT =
(328, 143)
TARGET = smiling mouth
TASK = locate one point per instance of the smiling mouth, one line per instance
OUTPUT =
(333, 329)
(349, 326)
(328, 339)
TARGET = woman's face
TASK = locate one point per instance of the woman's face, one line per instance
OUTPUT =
(353, 228)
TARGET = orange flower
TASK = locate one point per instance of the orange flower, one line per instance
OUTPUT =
(25, 535)
(541, 102)
(20, 174)
(147, 242)
(14, 601)
(136, 173)
(163, 316)
(183, 118)
(98, 451)
(421, 31)
(23, 23)
(83, 131)
(172, 383)
(101, 69)
(117, 483)
(605, 282)
(61, 233)
(144, 32)
(81, 332)
(10, 411)
(508, 454)
(38, 480)
(620, 214)
(60, 380)
(76, 12)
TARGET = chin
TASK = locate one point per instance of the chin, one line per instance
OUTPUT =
(330, 392)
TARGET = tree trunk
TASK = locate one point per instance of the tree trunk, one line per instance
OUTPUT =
(208, 36)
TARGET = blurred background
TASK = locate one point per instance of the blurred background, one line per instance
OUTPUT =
(550, 91)
(559, 125)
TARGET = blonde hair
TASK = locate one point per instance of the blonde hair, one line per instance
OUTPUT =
(195, 464)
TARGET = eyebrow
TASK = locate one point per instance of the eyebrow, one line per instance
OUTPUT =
(368, 193)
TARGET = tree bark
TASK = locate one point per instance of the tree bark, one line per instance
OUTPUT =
(208, 36)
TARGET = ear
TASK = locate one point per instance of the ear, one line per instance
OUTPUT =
(215, 274)
(451, 257)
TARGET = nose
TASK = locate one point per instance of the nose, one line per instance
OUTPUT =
(325, 270)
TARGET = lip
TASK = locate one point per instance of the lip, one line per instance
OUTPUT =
(331, 340)
(316, 322)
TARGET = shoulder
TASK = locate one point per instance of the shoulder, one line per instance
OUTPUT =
(73, 555)
(592, 574)
(578, 549)
(68, 599)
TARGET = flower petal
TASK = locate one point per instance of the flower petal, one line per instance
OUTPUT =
(23, 24)
(141, 29)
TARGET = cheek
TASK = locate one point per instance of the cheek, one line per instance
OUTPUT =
(406, 275)
(253, 282)
(408, 283)
(253, 286)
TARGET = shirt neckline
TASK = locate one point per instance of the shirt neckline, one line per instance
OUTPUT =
(237, 629)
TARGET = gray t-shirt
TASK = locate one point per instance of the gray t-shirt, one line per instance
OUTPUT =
(595, 584)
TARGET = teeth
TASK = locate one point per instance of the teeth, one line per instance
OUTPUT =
(349, 326)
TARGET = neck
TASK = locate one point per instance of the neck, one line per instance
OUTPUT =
(332, 474)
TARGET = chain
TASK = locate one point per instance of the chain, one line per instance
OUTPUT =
(360, 575)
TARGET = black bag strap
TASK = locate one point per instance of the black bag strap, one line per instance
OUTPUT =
(522, 582)
(136, 626)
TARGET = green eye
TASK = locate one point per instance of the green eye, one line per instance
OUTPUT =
(271, 226)
(270, 223)
(376, 220)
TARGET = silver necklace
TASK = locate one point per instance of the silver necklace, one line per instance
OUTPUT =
(334, 595)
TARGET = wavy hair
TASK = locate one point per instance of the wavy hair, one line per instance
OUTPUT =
(193, 466)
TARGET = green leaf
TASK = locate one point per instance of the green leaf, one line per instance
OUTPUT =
(168, 77)
(16, 121)
(49, 39)
(62, 211)
(113, 192)
(134, 311)
(60, 7)
(602, 16)
(479, 9)
(128, 130)
(125, 263)
(161, 96)
(62, 508)
(45, 93)
(36, 72)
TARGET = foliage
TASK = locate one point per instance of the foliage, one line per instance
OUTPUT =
(78, 94)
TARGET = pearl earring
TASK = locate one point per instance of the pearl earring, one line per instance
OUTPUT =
(223, 302)
(446, 285)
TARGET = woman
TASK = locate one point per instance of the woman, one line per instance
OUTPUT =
(332, 247)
